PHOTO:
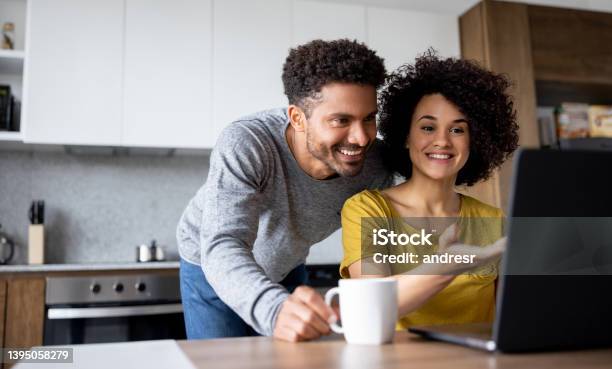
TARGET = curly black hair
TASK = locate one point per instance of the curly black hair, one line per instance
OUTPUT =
(311, 66)
(478, 93)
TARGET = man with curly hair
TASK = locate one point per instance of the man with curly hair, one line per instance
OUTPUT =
(276, 185)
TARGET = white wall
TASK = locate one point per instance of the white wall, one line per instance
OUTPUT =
(401, 35)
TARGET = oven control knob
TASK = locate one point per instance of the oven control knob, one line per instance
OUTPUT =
(141, 287)
(118, 287)
(95, 288)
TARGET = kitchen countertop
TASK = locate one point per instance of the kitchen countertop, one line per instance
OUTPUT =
(407, 350)
(89, 267)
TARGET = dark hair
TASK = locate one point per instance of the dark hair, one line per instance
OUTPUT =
(311, 66)
(478, 93)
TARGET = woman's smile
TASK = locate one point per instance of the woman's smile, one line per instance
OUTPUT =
(439, 138)
(440, 157)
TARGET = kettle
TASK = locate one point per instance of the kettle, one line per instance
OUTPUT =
(7, 247)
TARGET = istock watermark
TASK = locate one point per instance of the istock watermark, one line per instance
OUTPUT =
(384, 237)
(430, 245)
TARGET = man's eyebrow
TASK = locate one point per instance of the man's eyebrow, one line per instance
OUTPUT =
(348, 115)
(340, 115)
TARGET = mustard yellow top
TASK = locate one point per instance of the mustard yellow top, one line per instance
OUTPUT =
(469, 298)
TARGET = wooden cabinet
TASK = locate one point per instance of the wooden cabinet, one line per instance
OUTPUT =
(552, 55)
(168, 82)
(73, 72)
(25, 312)
(571, 45)
(2, 316)
(22, 312)
(497, 35)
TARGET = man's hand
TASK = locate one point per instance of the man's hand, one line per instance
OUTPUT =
(303, 316)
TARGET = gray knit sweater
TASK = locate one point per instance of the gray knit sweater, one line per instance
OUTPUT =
(258, 213)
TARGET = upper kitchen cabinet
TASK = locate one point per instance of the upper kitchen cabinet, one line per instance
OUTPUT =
(73, 72)
(250, 43)
(571, 45)
(572, 55)
(168, 84)
(328, 21)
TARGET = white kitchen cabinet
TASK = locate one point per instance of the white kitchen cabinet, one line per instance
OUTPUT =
(327, 21)
(161, 73)
(168, 84)
(400, 35)
(73, 72)
(251, 42)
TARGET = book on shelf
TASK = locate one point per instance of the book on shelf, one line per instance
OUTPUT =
(579, 120)
(600, 120)
(10, 110)
(572, 120)
(547, 127)
(5, 108)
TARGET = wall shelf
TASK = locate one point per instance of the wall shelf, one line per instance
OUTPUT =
(554, 93)
(10, 136)
(12, 54)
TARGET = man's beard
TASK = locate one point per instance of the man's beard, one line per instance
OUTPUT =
(325, 155)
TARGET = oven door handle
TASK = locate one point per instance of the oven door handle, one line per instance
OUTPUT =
(111, 312)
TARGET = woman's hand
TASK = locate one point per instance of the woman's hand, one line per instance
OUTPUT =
(420, 284)
(478, 255)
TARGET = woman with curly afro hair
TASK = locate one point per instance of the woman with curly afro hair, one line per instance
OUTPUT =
(444, 123)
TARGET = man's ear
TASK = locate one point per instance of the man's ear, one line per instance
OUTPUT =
(297, 118)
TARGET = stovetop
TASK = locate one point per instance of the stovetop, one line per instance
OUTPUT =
(89, 267)
(112, 289)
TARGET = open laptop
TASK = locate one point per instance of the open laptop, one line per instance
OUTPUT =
(555, 285)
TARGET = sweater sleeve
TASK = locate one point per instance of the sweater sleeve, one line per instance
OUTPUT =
(239, 167)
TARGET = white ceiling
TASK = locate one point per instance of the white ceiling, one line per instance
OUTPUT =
(457, 7)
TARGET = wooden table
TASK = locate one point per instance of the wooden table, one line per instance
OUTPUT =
(407, 351)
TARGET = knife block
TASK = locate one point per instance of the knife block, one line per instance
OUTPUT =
(36, 244)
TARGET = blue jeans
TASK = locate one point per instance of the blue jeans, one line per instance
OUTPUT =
(206, 316)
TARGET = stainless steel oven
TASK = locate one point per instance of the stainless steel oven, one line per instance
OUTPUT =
(95, 309)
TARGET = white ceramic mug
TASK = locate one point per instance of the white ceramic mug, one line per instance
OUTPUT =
(368, 308)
